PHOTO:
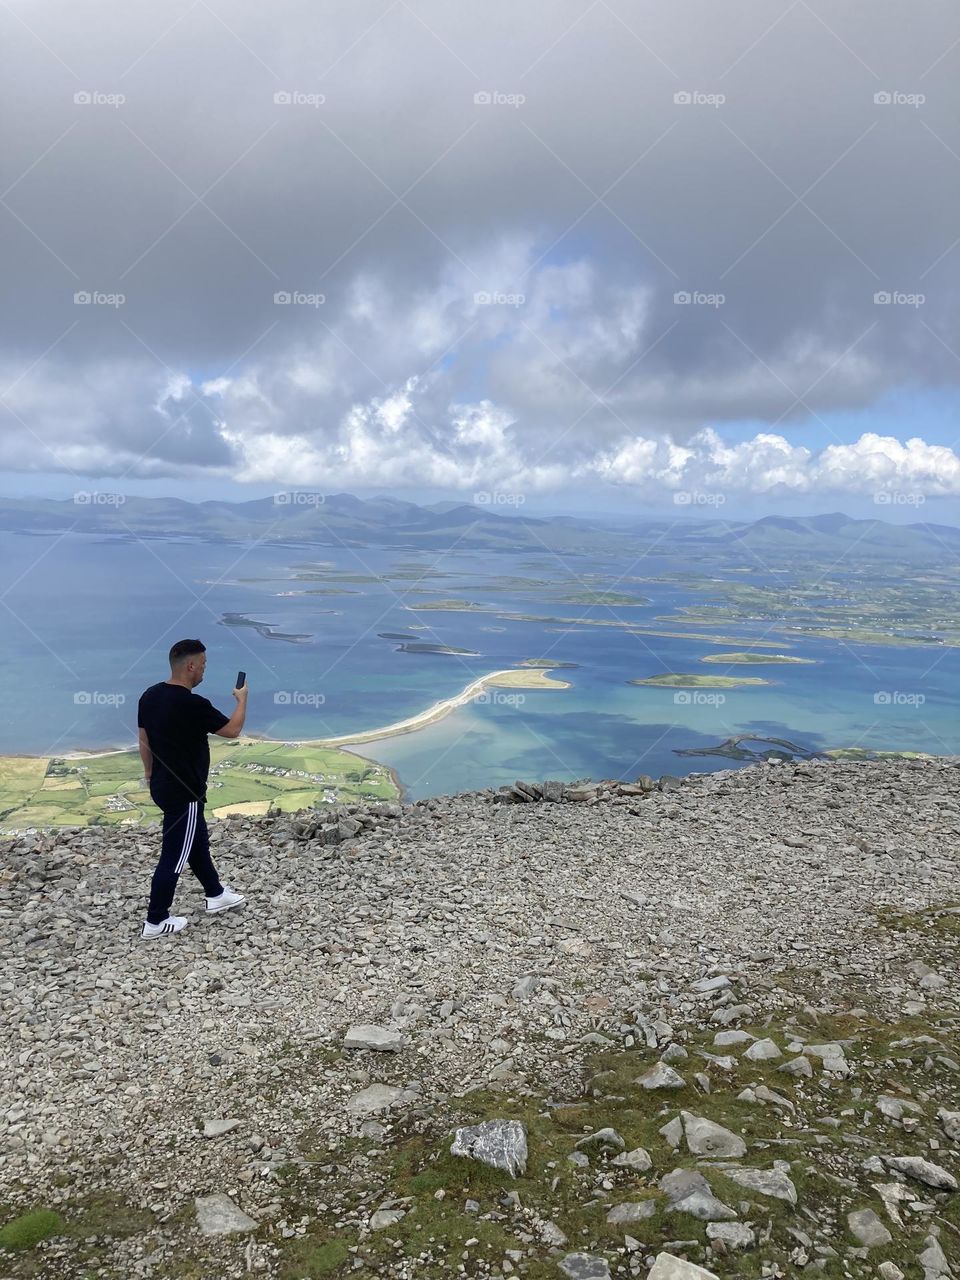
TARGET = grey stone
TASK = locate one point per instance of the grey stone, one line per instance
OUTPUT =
(890, 1271)
(584, 1266)
(705, 1138)
(867, 1228)
(680, 1182)
(762, 1051)
(933, 1260)
(706, 985)
(638, 1159)
(689, 1192)
(731, 1013)
(933, 982)
(672, 1132)
(732, 1235)
(674, 1053)
(549, 1232)
(661, 1076)
(217, 1128)
(376, 1097)
(893, 1108)
(669, 1267)
(702, 1205)
(631, 1211)
(384, 1218)
(603, 1140)
(723, 1039)
(217, 1215)
(527, 987)
(369, 1037)
(925, 1171)
(797, 1067)
(950, 1120)
(766, 1182)
(502, 1144)
(764, 1094)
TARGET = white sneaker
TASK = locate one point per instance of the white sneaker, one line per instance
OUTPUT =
(172, 924)
(224, 901)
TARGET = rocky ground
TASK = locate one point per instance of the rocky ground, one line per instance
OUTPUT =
(688, 1029)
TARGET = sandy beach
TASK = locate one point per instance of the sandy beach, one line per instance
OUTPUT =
(509, 678)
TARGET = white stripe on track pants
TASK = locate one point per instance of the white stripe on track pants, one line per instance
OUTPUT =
(185, 842)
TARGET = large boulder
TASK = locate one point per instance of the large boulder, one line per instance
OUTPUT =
(502, 1144)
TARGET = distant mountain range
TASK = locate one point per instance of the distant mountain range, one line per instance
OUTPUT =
(341, 519)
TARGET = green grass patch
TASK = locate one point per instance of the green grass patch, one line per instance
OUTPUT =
(30, 1228)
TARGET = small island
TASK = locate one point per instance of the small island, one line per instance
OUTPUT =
(609, 598)
(526, 680)
(453, 606)
(422, 646)
(748, 658)
(548, 663)
(676, 680)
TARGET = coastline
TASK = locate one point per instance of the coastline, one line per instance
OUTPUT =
(508, 677)
(438, 711)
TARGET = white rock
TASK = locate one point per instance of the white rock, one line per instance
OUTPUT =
(705, 1138)
(384, 1218)
(219, 1216)
(797, 1067)
(631, 1211)
(932, 1175)
(934, 1261)
(217, 1128)
(890, 1271)
(672, 1132)
(502, 1144)
(584, 1266)
(669, 1267)
(661, 1076)
(867, 1228)
(705, 985)
(723, 1039)
(762, 1051)
(376, 1097)
(733, 1235)
(893, 1108)
(767, 1182)
(368, 1037)
(637, 1159)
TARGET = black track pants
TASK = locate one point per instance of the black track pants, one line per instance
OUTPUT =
(185, 843)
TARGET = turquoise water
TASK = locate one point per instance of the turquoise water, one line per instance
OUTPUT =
(87, 623)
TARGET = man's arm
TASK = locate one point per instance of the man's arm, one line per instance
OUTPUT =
(146, 755)
(234, 726)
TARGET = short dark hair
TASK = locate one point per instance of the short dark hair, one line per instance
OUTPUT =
(185, 649)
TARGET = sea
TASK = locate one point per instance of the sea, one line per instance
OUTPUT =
(88, 620)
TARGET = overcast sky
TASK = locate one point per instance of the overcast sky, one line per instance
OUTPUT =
(597, 255)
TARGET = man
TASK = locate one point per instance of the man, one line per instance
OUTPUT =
(174, 723)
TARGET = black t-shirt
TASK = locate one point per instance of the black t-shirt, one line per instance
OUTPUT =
(177, 722)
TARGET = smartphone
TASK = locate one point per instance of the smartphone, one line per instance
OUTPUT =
(241, 679)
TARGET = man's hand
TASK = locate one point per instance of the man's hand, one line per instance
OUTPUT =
(241, 694)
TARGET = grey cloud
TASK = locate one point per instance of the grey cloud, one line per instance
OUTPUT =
(103, 198)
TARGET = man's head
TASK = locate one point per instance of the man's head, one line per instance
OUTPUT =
(187, 661)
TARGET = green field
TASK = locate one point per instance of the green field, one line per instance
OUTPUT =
(245, 776)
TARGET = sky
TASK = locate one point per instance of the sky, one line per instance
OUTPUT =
(569, 257)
